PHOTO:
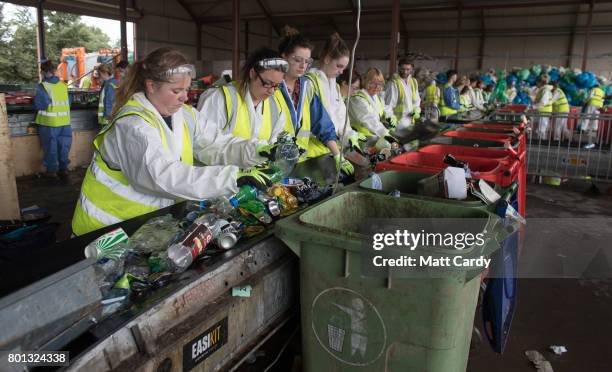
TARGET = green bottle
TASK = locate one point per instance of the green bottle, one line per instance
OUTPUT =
(245, 194)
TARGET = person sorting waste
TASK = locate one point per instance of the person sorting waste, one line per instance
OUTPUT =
(369, 116)
(449, 99)
(543, 105)
(402, 94)
(305, 114)
(333, 59)
(143, 160)
(247, 108)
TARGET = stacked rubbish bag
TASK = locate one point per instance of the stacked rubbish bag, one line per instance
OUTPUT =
(574, 83)
(132, 267)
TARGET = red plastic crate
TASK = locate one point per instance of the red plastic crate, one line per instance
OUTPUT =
(513, 108)
(503, 138)
(507, 156)
(496, 171)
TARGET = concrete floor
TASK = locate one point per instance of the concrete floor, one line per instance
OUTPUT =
(570, 312)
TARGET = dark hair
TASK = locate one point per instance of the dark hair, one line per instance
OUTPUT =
(450, 73)
(405, 61)
(343, 78)
(105, 68)
(47, 66)
(153, 67)
(122, 64)
(465, 89)
(334, 48)
(293, 39)
(251, 63)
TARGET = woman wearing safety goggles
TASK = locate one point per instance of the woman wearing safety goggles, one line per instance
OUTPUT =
(306, 115)
(248, 108)
(143, 159)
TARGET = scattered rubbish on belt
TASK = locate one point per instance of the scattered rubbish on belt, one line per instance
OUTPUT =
(559, 350)
(156, 234)
(311, 192)
(538, 360)
(287, 201)
(110, 245)
(256, 209)
(242, 291)
(183, 253)
(292, 182)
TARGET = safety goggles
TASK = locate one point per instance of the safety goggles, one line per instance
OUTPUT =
(180, 70)
(301, 60)
(273, 64)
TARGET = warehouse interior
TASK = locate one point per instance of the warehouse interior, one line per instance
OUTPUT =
(473, 37)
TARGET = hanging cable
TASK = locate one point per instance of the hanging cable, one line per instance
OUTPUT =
(348, 101)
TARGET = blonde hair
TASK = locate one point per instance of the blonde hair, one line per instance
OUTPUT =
(372, 74)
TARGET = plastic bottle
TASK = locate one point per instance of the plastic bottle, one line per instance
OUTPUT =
(245, 194)
(183, 253)
(257, 209)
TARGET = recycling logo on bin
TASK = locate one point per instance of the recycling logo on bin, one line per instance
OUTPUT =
(348, 326)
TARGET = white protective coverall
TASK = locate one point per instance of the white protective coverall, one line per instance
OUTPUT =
(135, 147)
(212, 107)
(366, 114)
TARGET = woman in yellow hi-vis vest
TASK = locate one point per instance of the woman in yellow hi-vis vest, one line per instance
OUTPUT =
(306, 115)
(333, 59)
(144, 158)
(53, 119)
(367, 112)
(402, 94)
(247, 108)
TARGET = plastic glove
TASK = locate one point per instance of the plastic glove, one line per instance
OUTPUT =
(355, 139)
(390, 138)
(343, 165)
(266, 151)
(416, 113)
(259, 178)
(390, 121)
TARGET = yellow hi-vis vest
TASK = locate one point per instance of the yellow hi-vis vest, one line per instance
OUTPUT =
(432, 95)
(239, 119)
(561, 105)
(398, 110)
(315, 147)
(106, 195)
(378, 109)
(102, 120)
(303, 134)
(549, 105)
(597, 97)
(444, 109)
(57, 113)
(465, 103)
